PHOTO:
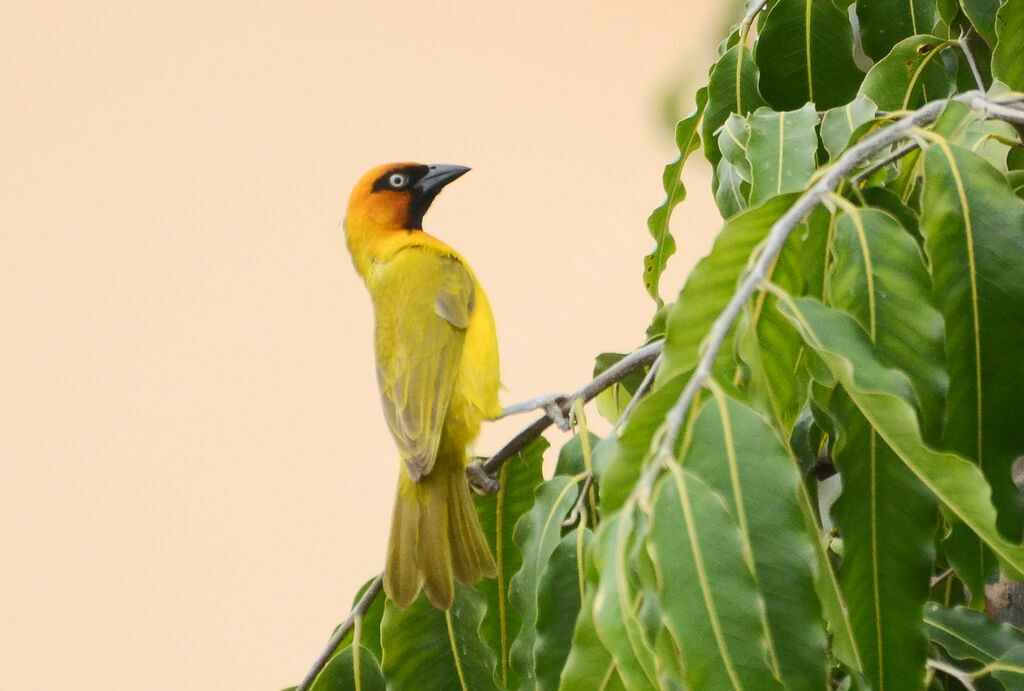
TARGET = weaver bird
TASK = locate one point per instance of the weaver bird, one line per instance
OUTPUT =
(437, 369)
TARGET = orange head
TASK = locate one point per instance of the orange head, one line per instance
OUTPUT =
(395, 196)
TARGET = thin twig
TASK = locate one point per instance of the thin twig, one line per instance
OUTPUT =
(636, 360)
(894, 156)
(358, 611)
(958, 674)
(964, 44)
(640, 391)
(749, 18)
(936, 580)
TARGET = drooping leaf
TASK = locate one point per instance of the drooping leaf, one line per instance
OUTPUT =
(537, 534)
(972, 222)
(1007, 65)
(910, 75)
(839, 123)
(710, 286)
(736, 454)
(982, 14)
(883, 24)
(781, 151)
(731, 190)
(709, 597)
(805, 54)
(340, 673)
(590, 665)
(880, 278)
(616, 603)
(881, 394)
(518, 479)
(426, 648)
(732, 88)
(687, 140)
(560, 593)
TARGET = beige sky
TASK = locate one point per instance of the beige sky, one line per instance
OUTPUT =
(194, 471)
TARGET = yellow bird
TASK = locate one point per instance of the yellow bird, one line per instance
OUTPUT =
(437, 368)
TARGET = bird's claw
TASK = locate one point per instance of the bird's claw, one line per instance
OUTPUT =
(479, 481)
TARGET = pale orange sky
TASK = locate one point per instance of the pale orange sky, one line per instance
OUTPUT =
(195, 472)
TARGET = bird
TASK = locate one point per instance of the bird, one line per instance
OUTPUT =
(438, 373)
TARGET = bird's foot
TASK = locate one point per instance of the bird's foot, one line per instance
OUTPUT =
(479, 481)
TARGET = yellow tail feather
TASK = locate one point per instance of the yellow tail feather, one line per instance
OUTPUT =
(435, 538)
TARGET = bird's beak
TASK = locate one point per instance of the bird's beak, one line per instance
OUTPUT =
(438, 175)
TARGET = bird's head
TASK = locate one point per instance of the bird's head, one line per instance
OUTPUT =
(396, 195)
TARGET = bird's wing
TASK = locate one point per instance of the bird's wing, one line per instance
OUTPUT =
(423, 304)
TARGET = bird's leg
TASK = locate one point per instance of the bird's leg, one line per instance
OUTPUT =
(554, 406)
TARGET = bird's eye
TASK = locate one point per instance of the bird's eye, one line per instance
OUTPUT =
(398, 180)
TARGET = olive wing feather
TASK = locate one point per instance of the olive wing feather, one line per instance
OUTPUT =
(423, 310)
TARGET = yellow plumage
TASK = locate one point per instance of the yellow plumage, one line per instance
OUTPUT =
(437, 369)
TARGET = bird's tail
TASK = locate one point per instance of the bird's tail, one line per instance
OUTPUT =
(435, 535)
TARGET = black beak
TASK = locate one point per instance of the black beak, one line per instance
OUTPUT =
(426, 189)
(438, 175)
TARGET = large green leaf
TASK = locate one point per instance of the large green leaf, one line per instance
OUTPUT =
(732, 88)
(735, 453)
(709, 597)
(687, 140)
(560, 593)
(537, 534)
(882, 395)
(616, 604)
(781, 151)
(972, 224)
(1007, 65)
(910, 75)
(805, 53)
(710, 286)
(968, 634)
(884, 23)
(427, 648)
(498, 513)
(880, 278)
(341, 673)
(887, 521)
(839, 123)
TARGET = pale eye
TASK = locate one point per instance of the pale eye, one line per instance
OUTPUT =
(398, 180)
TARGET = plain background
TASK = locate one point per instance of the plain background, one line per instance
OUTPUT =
(194, 473)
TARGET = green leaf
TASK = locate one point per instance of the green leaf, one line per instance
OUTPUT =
(781, 151)
(880, 278)
(736, 454)
(498, 512)
(613, 401)
(558, 604)
(427, 648)
(616, 604)
(881, 394)
(839, 124)
(884, 23)
(731, 190)
(982, 14)
(910, 75)
(687, 140)
(618, 460)
(972, 222)
(340, 674)
(537, 535)
(710, 286)
(805, 54)
(887, 521)
(732, 88)
(1007, 65)
(570, 457)
(967, 634)
(369, 626)
(709, 597)
(590, 665)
